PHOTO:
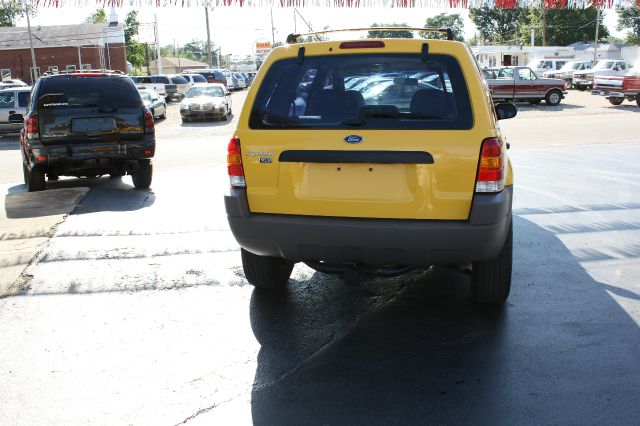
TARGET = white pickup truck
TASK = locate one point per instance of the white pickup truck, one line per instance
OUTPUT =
(584, 79)
(146, 83)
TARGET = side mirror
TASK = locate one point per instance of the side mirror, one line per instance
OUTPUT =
(16, 118)
(505, 111)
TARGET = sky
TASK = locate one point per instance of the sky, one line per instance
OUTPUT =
(237, 29)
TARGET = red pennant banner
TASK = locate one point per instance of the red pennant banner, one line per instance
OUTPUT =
(506, 4)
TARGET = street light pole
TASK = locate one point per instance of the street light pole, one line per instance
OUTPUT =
(33, 53)
(206, 16)
(595, 48)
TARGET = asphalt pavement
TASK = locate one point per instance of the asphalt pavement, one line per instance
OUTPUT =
(136, 310)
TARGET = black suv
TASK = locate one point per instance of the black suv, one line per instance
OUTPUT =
(87, 125)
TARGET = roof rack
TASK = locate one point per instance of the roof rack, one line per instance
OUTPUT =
(63, 72)
(293, 38)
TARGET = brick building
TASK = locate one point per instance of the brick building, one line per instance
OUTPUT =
(61, 47)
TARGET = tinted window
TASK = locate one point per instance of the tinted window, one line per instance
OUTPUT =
(179, 80)
(88, 91)
(367, 91)
(159, 79)
(7, 100)
(197, 78)
(23, 99)
(218, 75)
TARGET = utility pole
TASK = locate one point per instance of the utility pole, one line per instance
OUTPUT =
(33, 53)
(595, 49)
(544, 26)
(78, 45)
(533, 37)
(206, 16)
(273, 34)
(158, 56)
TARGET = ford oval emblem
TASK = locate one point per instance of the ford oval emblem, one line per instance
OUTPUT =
(353, 139)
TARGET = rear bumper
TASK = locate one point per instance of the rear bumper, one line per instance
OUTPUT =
(69, 158)
(374, 242)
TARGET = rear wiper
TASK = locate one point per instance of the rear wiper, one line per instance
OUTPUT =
(403, 115)
(423, 117)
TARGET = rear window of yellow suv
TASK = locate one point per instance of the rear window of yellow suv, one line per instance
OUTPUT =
(368, 91)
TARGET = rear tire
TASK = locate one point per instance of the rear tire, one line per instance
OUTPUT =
(580, 87)
(491, 280)
(616, 101)
(553, 97)
(35, 179)
(143, 176)
(638, 99)
(265, 271)
(569, 83)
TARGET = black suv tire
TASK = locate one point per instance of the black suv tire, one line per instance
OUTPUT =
(142, 177)
(491, 280)
(265, 271)
(35, 178)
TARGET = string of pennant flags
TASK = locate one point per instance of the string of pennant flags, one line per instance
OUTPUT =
(454, 4)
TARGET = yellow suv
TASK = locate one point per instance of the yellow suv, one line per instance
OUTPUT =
(372, 155)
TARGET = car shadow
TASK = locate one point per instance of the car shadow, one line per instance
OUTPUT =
(525, 106)
(626, 106)
(416, 350)
(9, 142)
(104, 194)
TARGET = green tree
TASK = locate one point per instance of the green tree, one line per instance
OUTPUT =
(9, 13)
(629, 19)
(445, 20)
(564, 26)
(97, 17)
(496, 25)
(389, 34)
(196, 49)
(136, 52)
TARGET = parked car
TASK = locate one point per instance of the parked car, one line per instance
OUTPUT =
(175, 86)
(206, 100)
(349, 185)
(567, 71)
(584, 79)
(238, 81)
(145, 82)
(9, 83)
(217, 75)
(13, 102)
(522, 84)
(194, 78)
(540, 66)
(154, 103)
(617, 88)
(87, 125)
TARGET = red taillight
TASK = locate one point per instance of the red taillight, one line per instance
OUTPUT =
(31, 127)
(361, 44)
(148, 122)
(234, 163)
(491, 168)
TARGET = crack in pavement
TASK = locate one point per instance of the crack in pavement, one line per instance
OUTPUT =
(202, 411)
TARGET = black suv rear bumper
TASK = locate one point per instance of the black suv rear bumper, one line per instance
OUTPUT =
(89, 158)
(374, 242)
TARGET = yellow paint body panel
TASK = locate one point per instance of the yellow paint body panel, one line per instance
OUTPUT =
(443, 190)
